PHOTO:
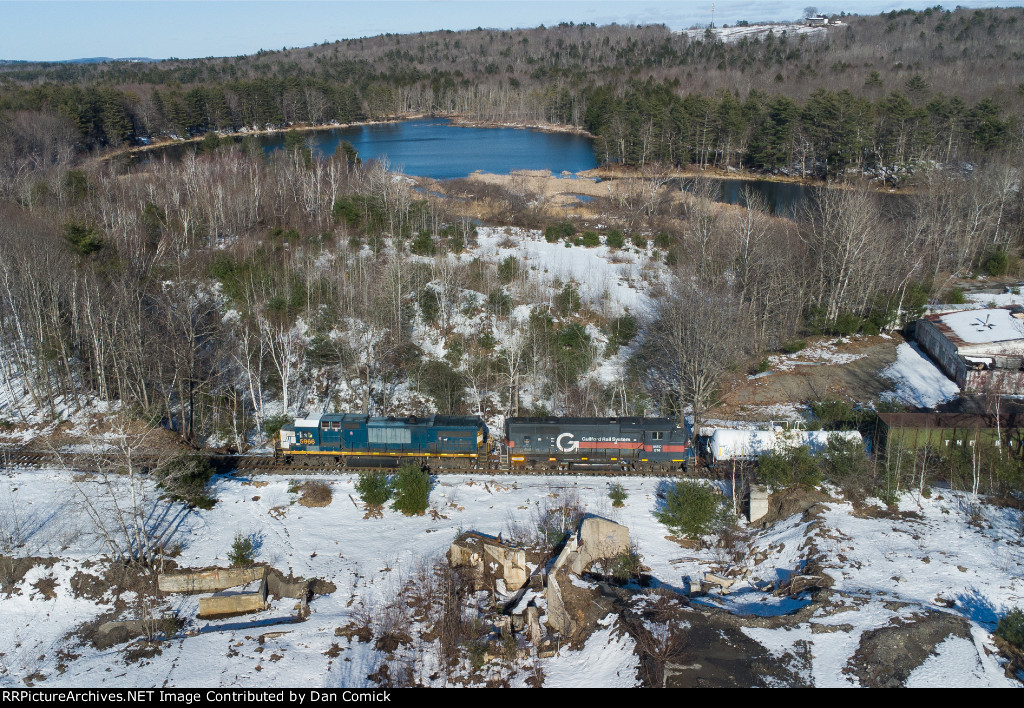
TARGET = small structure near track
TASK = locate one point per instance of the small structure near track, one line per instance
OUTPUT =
(981, 350)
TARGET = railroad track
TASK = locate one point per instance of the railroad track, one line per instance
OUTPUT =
(262, 464)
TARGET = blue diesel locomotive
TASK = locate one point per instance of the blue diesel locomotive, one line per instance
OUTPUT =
(362, 440)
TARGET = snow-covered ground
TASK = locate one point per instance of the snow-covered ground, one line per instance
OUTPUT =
(917, 381)
(884, 566)
(735, 34)
(610, 280)
(823, 352)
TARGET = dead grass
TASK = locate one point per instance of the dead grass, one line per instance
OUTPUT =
(315, 494)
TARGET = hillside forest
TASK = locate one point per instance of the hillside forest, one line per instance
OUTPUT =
(222, 293)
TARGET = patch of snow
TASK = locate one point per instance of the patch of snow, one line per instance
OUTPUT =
(918, 382)
(605, 661)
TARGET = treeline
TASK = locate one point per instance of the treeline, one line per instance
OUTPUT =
(881, 90)
(830, 132)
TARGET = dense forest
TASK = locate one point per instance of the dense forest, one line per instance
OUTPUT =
(218, 294)
(885, 90)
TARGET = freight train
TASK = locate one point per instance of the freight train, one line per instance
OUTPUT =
(726, 445)
(365, 441)
(642, 444)
(627, 444)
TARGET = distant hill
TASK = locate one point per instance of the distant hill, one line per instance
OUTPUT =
(86, 60)
(100, 60)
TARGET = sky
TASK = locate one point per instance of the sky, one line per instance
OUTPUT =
(41, 30)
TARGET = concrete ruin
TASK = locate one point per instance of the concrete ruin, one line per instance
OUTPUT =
(191, 582)
(225, 602)
(489, 559)
(597, 539)
(228, 603)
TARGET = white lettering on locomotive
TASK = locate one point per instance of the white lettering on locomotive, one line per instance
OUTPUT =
(570, 446)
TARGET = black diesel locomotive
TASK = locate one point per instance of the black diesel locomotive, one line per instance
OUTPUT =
(640, 444)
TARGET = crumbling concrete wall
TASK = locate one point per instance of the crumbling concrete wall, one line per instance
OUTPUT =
(597, 539)
(489, 557)
(226, 604)
(212, 580)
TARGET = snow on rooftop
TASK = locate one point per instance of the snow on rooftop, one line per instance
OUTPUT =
(984, 326)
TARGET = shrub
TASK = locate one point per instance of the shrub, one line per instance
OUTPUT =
(763, 366)
(76, 184)
(272, 425)
(315, 494)
(626, 566)
(834, 413)
(430, 305)
(1011, 628)
(794, 467)
(412, 490)
(954, 296)
(499, 303)
(82, 238)
(996, 262)
(590, 239)
(243, 550)
(556, 232)
(846, 324)
(573, 353)
(509, 269)
(617, 493)
(691, 509)
(209, 143)
(423, 244)
(846, 465)
(639, 241)
(374, 488)
(663, 241)
(568, 302)
(794, 345)
(615, 239)
(621, 331)
(185, 478)
(443, 383)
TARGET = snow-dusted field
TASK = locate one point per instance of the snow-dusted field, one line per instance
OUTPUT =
(884, 566)
(735, 34)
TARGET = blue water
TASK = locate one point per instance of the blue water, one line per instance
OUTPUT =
(436, 148)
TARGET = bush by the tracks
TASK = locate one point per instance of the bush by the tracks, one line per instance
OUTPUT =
(412, 490)
(272, 425)
(374, 488)
(691, 509)
(185, 478)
